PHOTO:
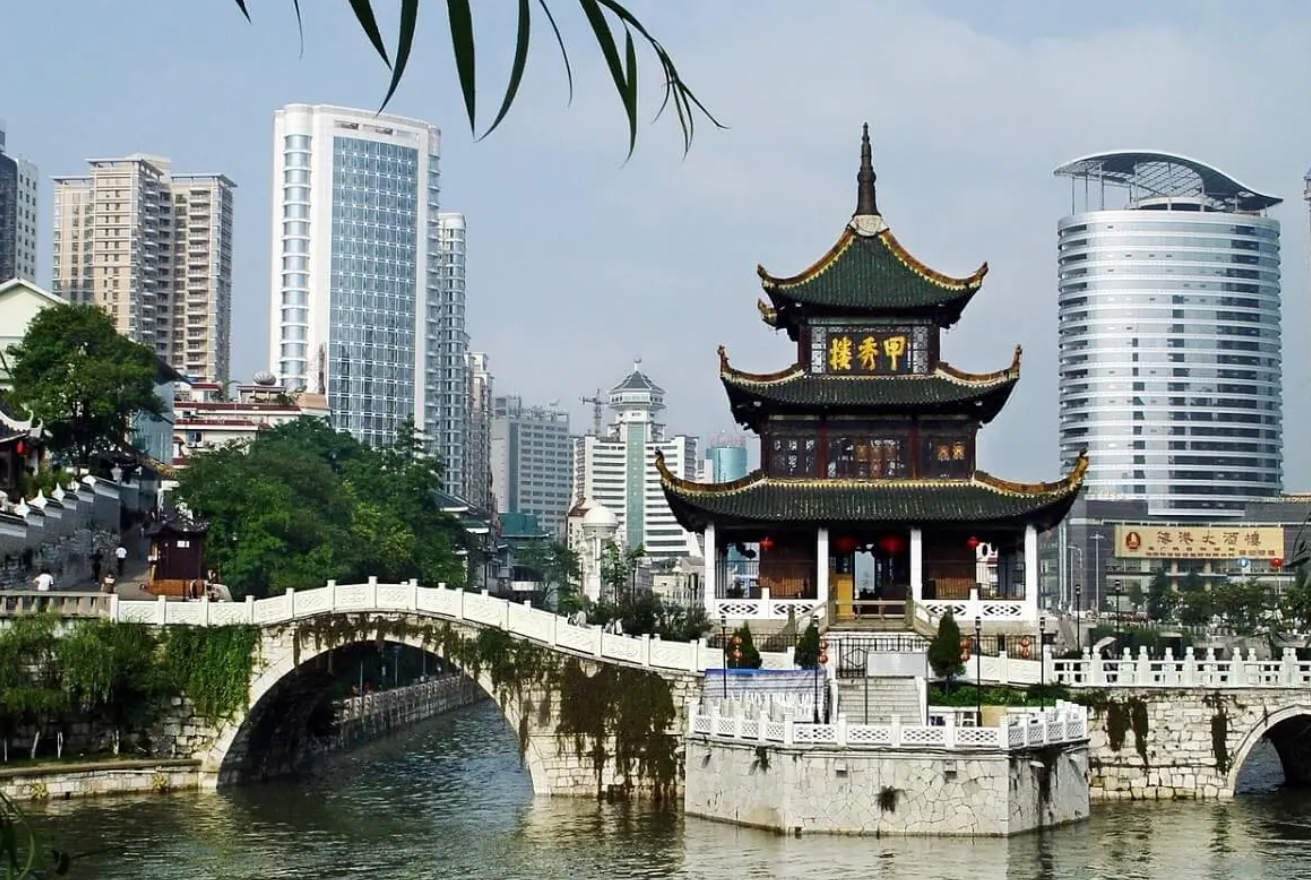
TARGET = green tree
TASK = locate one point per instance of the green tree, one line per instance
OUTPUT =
(618, 568)
(560, 572)
(1160, 597)
(1192, 583)
(82, 379)
(109, 671)
(1244, 606)
(1196, 608)
(806, 654)
(742, 651)
(945, 650)
(603, 16)
(30, 690)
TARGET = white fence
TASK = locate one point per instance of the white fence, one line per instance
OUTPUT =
(1142, 671)
(1064, 723)
(522, 620)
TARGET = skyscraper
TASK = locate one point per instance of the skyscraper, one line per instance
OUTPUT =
(18, 216)
(1170, 349)
(366, 307)
(531, 455)
(478, 444)
(154, 249)
(618, 469)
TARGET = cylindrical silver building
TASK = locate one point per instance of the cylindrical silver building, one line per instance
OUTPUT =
(1169, 334)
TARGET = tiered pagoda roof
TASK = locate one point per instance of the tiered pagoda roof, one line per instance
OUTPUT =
(757, 499)
(795, 391)
(867, 319)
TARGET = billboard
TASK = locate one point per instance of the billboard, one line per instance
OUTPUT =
(1199, 542)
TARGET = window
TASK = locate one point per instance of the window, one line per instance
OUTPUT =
(794, 457)
(945, 457)
(866, 458)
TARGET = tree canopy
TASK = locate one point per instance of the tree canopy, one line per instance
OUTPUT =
(82, 379)
(303, 503)
(603, 17)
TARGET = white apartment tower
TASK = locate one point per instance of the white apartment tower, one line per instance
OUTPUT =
(364, 307)
(154, 249)
(618, 469)
(18, 216)
(531, 461)
(478, 444)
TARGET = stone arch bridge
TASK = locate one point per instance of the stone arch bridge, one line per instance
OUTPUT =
(562, 688)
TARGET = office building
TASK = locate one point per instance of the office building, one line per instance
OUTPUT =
(726, 459)
(365, 306)
(154, 249)
(478, 443)
(18, 215)
(531, 454)
(1169, 314)
(617, 469)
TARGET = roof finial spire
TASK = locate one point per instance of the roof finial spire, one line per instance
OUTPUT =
(865, 200)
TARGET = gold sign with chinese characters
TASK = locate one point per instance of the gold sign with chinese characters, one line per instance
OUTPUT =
(868, 352)
(1199, 542)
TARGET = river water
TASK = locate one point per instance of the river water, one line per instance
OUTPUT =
(448, 800)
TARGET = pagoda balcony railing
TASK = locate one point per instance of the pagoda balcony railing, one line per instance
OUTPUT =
(746, 590)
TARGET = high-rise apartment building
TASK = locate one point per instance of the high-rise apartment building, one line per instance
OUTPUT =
(366, 307)
(532, 461)
(618, 469)
(18, 216)
(478, 443)
(154, 249)
(1170, 349)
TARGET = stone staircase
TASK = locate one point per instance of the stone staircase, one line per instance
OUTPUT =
(884, 696)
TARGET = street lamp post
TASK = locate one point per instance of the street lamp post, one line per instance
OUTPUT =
(978, 670)
(1097, 570)
(1042, 659)
(1115, 595)
(1078, 617)
(723, 643)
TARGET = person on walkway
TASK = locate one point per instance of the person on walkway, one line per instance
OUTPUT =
(121, 555)
(97, 560)
(107, 585)
(45, 581)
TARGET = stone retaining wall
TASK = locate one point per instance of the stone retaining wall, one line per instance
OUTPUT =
(64, 781)
(824, 790)
(362, 720)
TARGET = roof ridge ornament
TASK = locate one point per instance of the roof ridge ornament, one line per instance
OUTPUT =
(866, 221)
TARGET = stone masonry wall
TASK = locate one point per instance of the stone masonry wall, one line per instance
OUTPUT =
(365, 719)
(800, 790)
(1148, 744)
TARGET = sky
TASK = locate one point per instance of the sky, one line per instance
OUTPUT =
(580, 261)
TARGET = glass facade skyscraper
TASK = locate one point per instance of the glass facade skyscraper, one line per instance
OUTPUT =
(1170, 348)
(360, 280)
(18, 216)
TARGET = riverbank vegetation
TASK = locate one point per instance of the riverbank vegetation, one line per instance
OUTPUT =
(103, 684)
(303, 504)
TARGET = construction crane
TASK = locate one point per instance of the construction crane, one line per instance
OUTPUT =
(597, 403)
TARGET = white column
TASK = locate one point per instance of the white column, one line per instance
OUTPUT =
(821, 569)
(1030, 573)
(712, 564)
(917, 565)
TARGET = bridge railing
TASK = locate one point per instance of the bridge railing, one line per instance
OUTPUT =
(64, 604)
(1192, 670)
(522, 620)
(1064, 723)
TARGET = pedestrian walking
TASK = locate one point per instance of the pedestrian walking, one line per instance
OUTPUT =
(121, 555)
(107, 585)
(44, 581)
(97, 560)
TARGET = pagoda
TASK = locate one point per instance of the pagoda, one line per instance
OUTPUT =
(868, 446)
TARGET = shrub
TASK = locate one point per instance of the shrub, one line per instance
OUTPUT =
(944, 651)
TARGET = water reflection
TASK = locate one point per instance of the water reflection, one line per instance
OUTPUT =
(449, 800)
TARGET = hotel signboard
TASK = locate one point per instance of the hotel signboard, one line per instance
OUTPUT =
(1199, 542)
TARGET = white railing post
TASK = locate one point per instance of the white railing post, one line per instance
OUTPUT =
(250, 609)
(1188, 674)
(1004, 733)
(646, 650)
(766, 611)
(894, 732)
(1288, 668)
(161, 611)
(789, 737)
(764, 725)
(373, 591)
(713, 732)
(291, 603)
(600, 640)
(948, 732)
(332, 595)
(114, 610)
(842, 730)
(204, 610)
(459, 604)
(554, 628)
(1003, 668)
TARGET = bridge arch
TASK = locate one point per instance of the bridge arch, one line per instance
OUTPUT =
(1289, 731)
(283, 659)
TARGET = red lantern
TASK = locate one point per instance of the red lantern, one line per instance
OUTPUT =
(20, 448)
(846, 544)
(766, 543)
(891, 545)
(1276, 563)
(972, 543)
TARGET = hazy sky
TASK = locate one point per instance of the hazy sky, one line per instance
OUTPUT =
(579, 262)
